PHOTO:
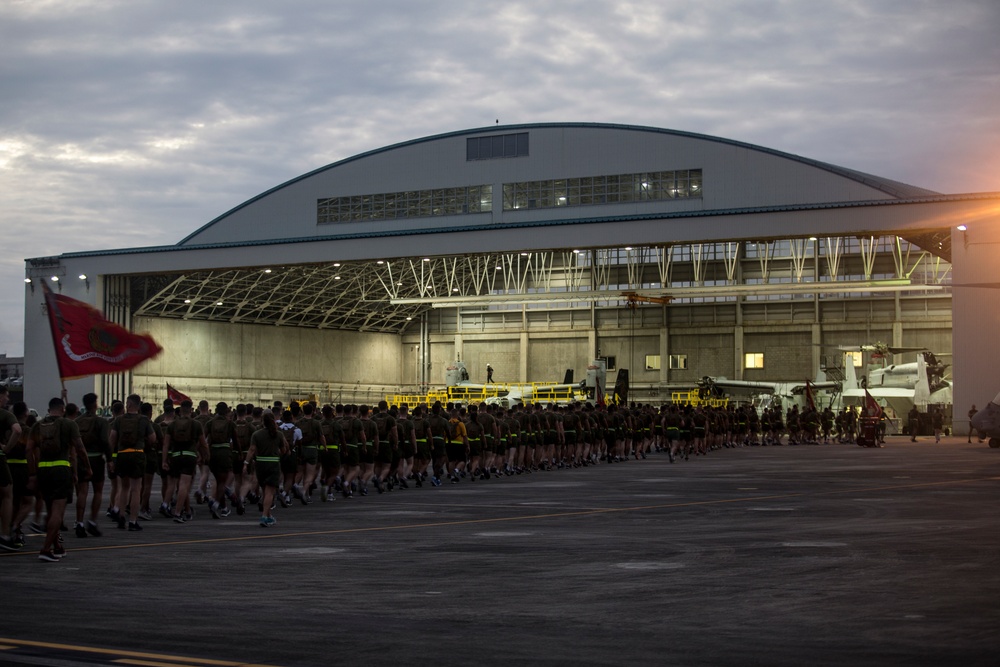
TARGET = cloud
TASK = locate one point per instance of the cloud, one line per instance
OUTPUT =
(134, 123)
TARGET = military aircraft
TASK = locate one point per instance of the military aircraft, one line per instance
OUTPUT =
(987, 422)
(764, 395)
(507, 395)
(900, 386)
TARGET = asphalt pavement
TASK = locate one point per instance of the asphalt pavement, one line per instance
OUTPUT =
(794, 555)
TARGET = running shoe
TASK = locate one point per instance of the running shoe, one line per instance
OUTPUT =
(263, 522)
(80, 530)
(165, 510)
(270, 520)
(199, 496)
(9, 545)
(178, 518)
(145, 515)
(93, 529)
(134, 526)
(224, 512)
(213, 507)
(58, 550)
(48, 557)
(35, 527)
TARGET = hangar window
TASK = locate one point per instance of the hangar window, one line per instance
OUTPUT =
(753, 360)
(411, 204)
(496, 146)
(615, 189)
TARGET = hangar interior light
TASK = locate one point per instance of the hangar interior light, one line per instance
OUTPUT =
(386, 296)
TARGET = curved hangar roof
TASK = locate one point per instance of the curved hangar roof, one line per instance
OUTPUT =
(528, 173)
(525, 198)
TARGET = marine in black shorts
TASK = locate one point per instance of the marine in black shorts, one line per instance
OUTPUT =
(54, 448)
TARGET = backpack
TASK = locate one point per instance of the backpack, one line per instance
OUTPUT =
(381, 423)
(244, 431)
(219, 431)
(49, 444)
(181, 432)
(128, 431)
(90, 432)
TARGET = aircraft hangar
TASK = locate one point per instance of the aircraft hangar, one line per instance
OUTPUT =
(515, 245)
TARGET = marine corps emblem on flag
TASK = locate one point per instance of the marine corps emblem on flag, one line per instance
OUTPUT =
(88, 344)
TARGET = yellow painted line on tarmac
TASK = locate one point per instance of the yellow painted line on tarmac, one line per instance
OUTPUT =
(528, 517)
(149, 663)
(4, 647)
(150, 658)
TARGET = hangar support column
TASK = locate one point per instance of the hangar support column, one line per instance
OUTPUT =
(523, 370)
(739, 360)
(664, 355)
(817, 342)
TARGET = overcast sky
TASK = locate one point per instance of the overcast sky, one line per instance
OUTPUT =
(132, 123)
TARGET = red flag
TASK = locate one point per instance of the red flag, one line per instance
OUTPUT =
(809, 396)
(599, 394)
(872, 409)
(88, 344)
(175, 396)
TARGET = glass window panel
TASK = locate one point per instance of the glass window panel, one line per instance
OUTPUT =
(509, 145)
(522, 144)
(472, 149)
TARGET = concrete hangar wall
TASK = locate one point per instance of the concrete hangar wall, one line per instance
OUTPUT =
(725, 228)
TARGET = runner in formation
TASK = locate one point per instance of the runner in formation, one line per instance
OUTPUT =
(254, 456)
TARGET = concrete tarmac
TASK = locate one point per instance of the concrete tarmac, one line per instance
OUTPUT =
(794, 555)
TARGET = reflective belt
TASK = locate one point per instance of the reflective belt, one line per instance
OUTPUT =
(268, 459)
(184, 453)
(95, 455)
(419, 440)
(53, 464)
(24, 461)
(310, 446)
(220, 445)
(331, 448)
(130, 451)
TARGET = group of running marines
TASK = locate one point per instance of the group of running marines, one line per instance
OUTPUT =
(268, 456)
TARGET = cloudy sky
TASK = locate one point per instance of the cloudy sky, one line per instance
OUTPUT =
(132, 123)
